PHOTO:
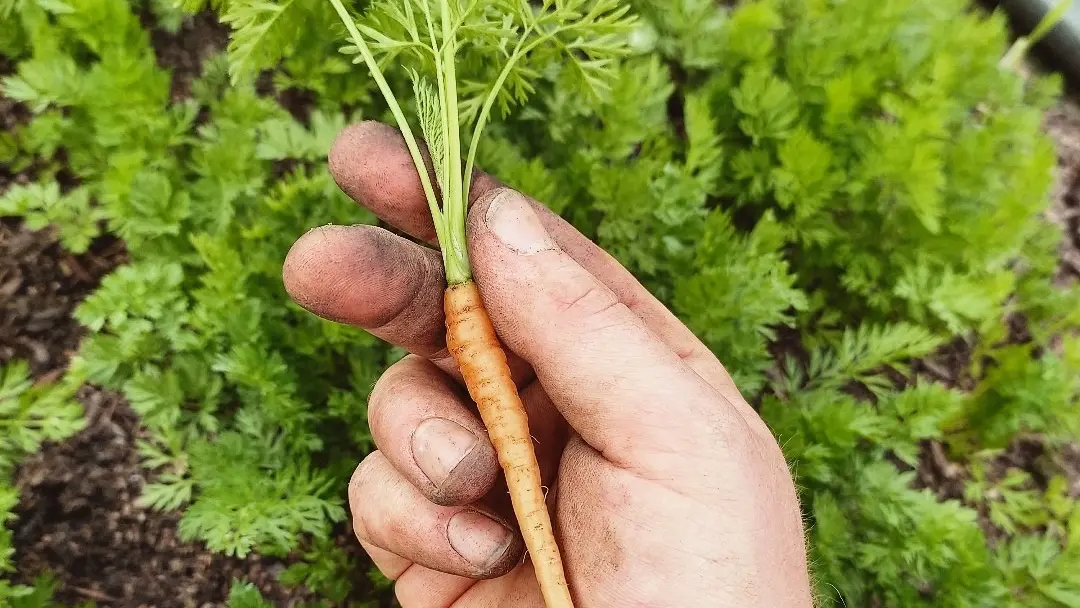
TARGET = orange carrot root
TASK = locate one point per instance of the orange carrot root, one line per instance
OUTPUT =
(472, 341)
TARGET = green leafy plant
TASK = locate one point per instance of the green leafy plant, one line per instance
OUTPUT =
(816, 187)
(1020, 394)
(29, 416)
(245, 595)
(326, 569)
(43, 205)
(1039, 572)
(38, 595)
(196, 330)
(511, 44)
(1024, 43)
(1038, 563)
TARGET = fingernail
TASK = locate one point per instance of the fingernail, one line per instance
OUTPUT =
(438, 445)
(478, 538)
(516, 225)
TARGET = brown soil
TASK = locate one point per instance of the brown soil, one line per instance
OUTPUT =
(949, 365)
(1068, 460)
(79, 520)
(935, 471)
(1063, 124)
(182, 53)
(12, 113)
(40, 284)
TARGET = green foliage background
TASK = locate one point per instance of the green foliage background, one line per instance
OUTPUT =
(826, 191)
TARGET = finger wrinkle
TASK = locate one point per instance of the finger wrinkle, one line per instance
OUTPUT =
(428, 588)
(408, 311)
(371, 523)
(393, 575)
(664, 325)
(691, 354)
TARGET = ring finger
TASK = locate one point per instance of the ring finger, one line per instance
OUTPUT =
(390, 514)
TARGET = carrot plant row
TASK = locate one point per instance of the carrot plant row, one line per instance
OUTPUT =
(846, 201)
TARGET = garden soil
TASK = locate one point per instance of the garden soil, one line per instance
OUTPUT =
(78, 518)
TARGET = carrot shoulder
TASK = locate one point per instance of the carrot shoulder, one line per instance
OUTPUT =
(471, 340)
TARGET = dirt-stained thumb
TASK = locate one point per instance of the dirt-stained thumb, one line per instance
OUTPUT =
(602, 367)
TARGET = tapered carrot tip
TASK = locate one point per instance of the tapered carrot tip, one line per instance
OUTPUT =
(472, 342)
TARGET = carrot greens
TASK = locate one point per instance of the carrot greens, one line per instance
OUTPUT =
(506, 35)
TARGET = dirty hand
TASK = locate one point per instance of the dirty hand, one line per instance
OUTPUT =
(667, 489)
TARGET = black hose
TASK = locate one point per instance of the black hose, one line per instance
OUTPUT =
(1060, 48)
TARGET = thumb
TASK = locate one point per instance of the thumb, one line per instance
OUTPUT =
(617, 384)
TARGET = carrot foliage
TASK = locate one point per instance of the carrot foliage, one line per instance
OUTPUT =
(847, 201)
(511, 42)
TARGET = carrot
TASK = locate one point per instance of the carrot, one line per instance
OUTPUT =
(433, 33)
(472, 341)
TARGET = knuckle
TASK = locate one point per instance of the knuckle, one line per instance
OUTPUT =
(360, 475)
(360, 483)
(356, 502)
(388, 387)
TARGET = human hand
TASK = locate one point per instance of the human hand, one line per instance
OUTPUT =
(667, 489)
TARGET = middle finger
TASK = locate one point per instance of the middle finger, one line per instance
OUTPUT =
(426, 428)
